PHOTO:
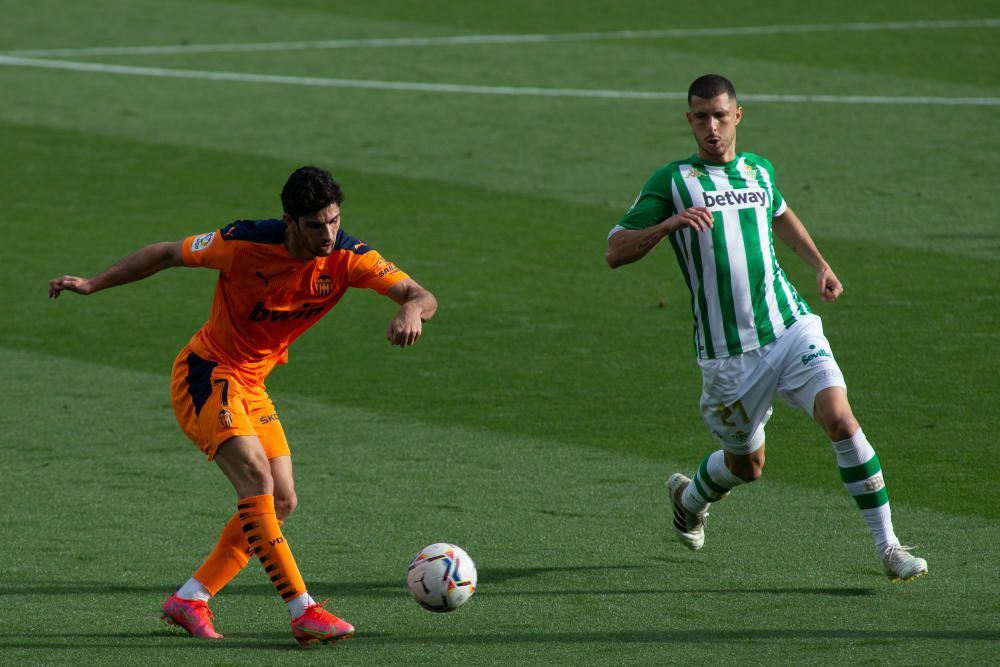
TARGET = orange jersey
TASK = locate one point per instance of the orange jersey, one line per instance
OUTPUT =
(265, 298)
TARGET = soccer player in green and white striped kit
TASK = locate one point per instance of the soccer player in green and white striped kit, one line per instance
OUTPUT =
(753, 334)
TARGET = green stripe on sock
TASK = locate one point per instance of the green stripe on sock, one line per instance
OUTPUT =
(701, 492)
(703, 473)
(871, 500)
(863, 471)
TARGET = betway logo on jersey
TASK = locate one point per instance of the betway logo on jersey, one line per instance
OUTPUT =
(305, 312)
(727, 200)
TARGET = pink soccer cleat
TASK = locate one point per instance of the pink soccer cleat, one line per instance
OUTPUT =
(192, 615)
(318, 625)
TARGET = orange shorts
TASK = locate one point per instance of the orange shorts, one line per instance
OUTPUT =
(211, 405)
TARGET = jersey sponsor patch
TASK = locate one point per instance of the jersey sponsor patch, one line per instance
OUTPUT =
(384, 268)
(202, 242)
(724, 200)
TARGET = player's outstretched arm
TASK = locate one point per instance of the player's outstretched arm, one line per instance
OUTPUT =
(417, 305)
(140, 264)
(790, 231)
(630, 245)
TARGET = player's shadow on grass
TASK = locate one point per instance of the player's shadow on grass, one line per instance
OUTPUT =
(341, 589)
(165, 638)
(801, 590)
(280, 641)
(385, 588)
(694, 636)
(494, 580)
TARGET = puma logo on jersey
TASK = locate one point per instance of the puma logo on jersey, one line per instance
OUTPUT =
(735, 199)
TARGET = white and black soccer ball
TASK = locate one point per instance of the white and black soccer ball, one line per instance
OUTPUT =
(441, 577)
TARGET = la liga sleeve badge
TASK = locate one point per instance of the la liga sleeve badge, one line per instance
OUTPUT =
(202, 242)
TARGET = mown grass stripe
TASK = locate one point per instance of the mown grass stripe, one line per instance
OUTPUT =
(426, 87)
(536, 38)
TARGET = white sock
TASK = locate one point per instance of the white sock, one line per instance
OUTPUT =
(709, 483)
(861, 473)
(879, 522)
(297, 605)
(193, 590)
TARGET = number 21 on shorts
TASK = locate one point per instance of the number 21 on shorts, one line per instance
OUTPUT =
(727, 411)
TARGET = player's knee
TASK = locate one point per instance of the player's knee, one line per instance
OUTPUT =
(834, 414)
(252, 477)
(841, 427)
(285, 504)
(258, 478)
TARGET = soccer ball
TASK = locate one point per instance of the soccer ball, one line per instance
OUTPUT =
(441, 577)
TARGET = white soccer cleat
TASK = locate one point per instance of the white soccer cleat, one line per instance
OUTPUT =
(690, 527)
(901, 565)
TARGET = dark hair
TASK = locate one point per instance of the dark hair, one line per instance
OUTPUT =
(709, 86)
(309, 189)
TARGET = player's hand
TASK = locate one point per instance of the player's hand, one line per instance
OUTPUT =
(698, 218)
(405, 328)
(829, 286)
(71, 283)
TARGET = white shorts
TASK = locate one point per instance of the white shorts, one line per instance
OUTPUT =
(737, 391)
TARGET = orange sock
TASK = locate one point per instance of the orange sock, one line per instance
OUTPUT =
(230, 555)
(263, 534)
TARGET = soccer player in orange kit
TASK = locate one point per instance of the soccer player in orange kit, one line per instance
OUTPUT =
(276, 279)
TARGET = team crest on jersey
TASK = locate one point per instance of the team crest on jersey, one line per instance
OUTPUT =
(324, 285)
(694, 172)
(749, 171)
(202, 242)
(225, 418)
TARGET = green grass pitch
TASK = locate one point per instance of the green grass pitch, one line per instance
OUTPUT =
(550, 398)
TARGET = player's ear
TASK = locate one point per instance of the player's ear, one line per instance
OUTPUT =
(739, 114)
(289, 220)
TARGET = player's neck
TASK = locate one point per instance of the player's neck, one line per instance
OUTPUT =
(720, 158)
(294, 246)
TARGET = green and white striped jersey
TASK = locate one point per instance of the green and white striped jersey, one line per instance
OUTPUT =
(740, 298)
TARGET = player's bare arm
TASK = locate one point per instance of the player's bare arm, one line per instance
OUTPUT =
(629, 245)
(790, 231)
(417, 305)
(140, 264)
